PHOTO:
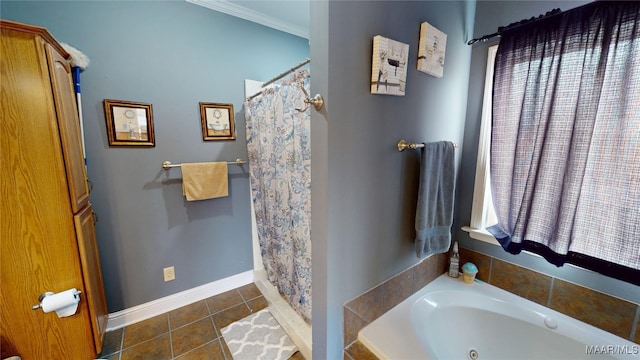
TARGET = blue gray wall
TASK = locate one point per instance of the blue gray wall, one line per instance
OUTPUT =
(364, 190)
(172, 54)
(490, 15)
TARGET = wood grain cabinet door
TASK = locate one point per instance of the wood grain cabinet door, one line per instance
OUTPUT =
(38, 246)
(92, 274)
(69, 123)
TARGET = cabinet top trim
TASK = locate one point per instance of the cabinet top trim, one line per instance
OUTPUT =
(36, 30)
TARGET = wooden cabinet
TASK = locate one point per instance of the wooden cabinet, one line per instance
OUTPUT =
(48, 240)
(67, 114)
(91, 272)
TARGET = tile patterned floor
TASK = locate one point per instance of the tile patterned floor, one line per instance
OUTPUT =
(188, 333)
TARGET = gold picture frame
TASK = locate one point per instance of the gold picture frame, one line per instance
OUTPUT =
(129, 123)
(217, 121)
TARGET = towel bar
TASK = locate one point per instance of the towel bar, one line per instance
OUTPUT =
(168, 165)
(402, 145)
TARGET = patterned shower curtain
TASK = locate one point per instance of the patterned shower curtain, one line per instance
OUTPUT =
(279, 165)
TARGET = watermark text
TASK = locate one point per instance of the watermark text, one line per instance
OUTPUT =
(613, 349)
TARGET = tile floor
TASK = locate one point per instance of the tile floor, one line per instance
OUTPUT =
(190, 332)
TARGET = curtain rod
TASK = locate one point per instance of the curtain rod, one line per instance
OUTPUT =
(280, 76)
(283, 74)
(521, 22)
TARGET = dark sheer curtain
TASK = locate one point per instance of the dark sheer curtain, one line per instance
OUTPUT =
(565, 148)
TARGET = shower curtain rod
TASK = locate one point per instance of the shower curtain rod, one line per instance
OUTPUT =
(521, 22)
(280, 76)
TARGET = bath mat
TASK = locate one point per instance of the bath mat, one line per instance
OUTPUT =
(258, 336)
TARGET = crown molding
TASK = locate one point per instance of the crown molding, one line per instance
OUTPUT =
(242, 12)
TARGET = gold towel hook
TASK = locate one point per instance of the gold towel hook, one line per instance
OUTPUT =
(317, 101)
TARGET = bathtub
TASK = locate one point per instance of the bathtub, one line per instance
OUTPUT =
(448, 319)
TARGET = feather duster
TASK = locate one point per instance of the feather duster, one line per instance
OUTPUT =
(78, 59)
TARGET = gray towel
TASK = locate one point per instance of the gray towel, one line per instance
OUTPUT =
(434, 212)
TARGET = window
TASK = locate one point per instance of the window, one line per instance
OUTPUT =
(565, 139)
(482, 213)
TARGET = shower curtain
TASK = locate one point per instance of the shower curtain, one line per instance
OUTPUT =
(279, 165)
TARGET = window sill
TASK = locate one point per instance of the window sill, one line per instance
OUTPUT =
(482, 235)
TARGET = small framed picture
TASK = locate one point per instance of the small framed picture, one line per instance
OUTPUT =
(431, 50)
(217, 121)
(389, 66)
(129, 123)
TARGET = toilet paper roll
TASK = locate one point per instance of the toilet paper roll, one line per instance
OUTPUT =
(64, 303)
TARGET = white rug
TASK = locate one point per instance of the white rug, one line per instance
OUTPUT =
(258, 336)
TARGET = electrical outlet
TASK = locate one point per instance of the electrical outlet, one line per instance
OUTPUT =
(169, 273)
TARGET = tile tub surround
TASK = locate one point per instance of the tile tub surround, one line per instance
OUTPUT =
(364, 309)
(603, 311)
(190, 332)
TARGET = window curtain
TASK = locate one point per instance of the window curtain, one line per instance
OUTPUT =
(565, 148)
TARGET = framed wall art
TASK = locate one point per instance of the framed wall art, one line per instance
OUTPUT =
(431, 49)
(217, 121)
(389, 66)
(129, 123)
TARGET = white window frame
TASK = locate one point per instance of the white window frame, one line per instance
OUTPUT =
(482, 213)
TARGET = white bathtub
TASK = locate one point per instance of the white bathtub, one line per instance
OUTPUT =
(448, 319)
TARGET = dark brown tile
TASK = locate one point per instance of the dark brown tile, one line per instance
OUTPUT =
(637, 338)
(360, 352)
(188, 314)
(112, 342)
(209, 351)
(297, 356)
(397, 289)
(193, 335)
(523, 282)
(443, 263)
(249, 291)
(145, 330)
(114, 356)
(225, 348)
(352, 325)
(600, 310)
(224, 301)
(369, 304)
(226, 317)
(483, 262)
(155, 349)
(257, 304)
(426, 271)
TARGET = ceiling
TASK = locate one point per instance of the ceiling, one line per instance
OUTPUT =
(291, 16)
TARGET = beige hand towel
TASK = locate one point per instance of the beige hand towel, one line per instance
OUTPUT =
(202, 181)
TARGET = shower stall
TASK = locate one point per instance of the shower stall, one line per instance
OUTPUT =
(279, 153)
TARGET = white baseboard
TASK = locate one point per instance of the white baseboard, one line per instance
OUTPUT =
(153, 308)
(297, 329)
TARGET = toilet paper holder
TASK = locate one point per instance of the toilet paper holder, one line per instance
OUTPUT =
(49, 293)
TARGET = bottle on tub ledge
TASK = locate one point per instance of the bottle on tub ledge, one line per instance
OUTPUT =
(454, 261)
